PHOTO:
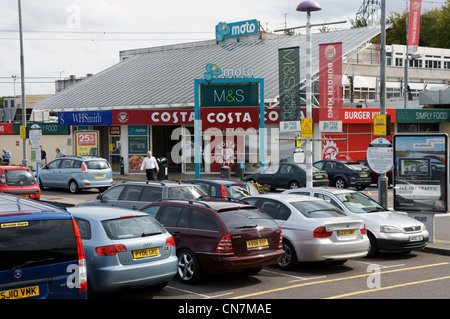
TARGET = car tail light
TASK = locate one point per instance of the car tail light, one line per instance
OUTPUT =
(170, 241)
(3, 178)
(225, 246)
(280, 243)
(84, 167)
(82, 271)
(223, 191)
(364, 230)
(110, 250)
(322, 232)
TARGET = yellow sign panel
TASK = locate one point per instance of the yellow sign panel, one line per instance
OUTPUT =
(23, 132)
(307, 125)
(379, 124)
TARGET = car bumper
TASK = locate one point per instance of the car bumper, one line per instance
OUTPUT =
(28, 193)
(402, 242)
(83, 184)
(113, 278)
(322, 249)
(320, 183)
(360, 181)
(214, 263)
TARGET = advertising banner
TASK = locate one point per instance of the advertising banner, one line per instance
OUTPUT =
(289, 84)
(86, 143)
(420, 172)
(330, 87)
(414, 25)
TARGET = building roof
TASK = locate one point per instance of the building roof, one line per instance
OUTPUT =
(164, 78)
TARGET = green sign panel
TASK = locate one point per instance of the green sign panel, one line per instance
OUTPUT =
(422, 116)
(229, 95)
(46, 128)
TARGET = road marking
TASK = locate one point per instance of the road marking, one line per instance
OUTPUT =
(295, 278)
(379, 265)
(200, 295)
(389, 287)
(335, 280)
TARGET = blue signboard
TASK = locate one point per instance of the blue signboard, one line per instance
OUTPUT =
(85, 118)
(236, 29)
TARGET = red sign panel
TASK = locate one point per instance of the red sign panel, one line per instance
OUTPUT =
(363, 115)
(6, 129)
(153, 117)
(414, 23)
(330, 86)
(229, 117)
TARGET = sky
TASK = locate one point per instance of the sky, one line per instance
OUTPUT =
(77, 37)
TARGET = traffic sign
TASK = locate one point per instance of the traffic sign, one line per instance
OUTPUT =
(380, 156)
(307, 125)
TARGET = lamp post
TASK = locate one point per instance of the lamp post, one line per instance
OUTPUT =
(308, 6)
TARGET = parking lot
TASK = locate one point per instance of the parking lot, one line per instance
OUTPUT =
(422, 274)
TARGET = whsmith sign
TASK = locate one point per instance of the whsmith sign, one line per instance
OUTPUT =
(237, 29)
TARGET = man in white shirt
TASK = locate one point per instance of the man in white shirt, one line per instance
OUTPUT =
(150, 165)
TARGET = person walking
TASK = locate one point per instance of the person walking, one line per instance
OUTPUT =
(6, 157)
(150, 165)
(59, 153)
(43, 157)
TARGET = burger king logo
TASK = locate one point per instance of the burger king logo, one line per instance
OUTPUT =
(330, 52)
(415, 5)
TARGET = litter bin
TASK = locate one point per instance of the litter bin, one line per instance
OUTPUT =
(239, 170)
(122, 166)
(163, 168)
(225, 172)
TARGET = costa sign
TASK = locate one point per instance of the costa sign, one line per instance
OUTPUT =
(224, 118)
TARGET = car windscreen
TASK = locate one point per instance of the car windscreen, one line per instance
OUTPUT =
(132, 227)
(239, 220)
(185, 192)
(360, 203)
(19, 178)
(97, 164)
(36, 242)
(317, 209)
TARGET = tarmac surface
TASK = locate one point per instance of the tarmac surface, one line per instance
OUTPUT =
(438, 246)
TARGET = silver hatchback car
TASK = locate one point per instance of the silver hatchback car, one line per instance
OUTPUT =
(387, 231)
(124, 248)
(76, 173)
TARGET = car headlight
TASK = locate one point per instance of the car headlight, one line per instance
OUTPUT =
(390, 229)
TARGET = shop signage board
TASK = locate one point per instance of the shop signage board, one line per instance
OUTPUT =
(85, 118)
(423, 116)
(420, 172)
(229, 95)
(236, 29)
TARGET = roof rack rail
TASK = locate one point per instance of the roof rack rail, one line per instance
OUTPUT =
(190, 201)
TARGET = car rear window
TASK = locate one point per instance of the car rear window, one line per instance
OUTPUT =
(239, 220)
(36, 243)
(184, 192)
(97, 164)
(241, 190)
(317, 209)
(19, 178)
(131, 227)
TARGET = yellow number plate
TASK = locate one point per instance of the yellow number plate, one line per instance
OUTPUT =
(145, 253)
(100, 176)
(364, 175)
(346, 232)
(20, 293)
(257, 243)
(319, 176)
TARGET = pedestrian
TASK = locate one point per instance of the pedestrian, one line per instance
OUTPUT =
(150, 165)
(6, 157)
(43, 157)
(59, 153)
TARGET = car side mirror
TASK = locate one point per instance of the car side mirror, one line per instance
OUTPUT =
(99, 197)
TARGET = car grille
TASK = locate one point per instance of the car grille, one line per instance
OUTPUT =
(412, 229)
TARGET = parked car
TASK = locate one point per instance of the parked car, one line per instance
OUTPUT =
(313, 230)
(387, 231)
(134, 195)
(225, 188)
(218, 236)
(41, 252)
(77, 173)
(124, 249)
(288, 175)
(19, 181)
(343, 173)
(374, 175)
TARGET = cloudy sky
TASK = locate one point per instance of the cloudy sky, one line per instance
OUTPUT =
(76, 37)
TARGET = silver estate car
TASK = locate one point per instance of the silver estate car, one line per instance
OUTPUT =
(124, 248)
(313, 230)
(76, 173)
(387, 231)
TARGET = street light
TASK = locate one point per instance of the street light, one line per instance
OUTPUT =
(308, 6)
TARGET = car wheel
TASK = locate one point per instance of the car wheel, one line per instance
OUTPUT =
(73, 187)
(340, 183)
(360, 187)
(289, 260)
(294, 185)
(188, 268)
(373, 246)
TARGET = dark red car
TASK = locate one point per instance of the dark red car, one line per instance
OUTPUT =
(19, 181)
(218, 236)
